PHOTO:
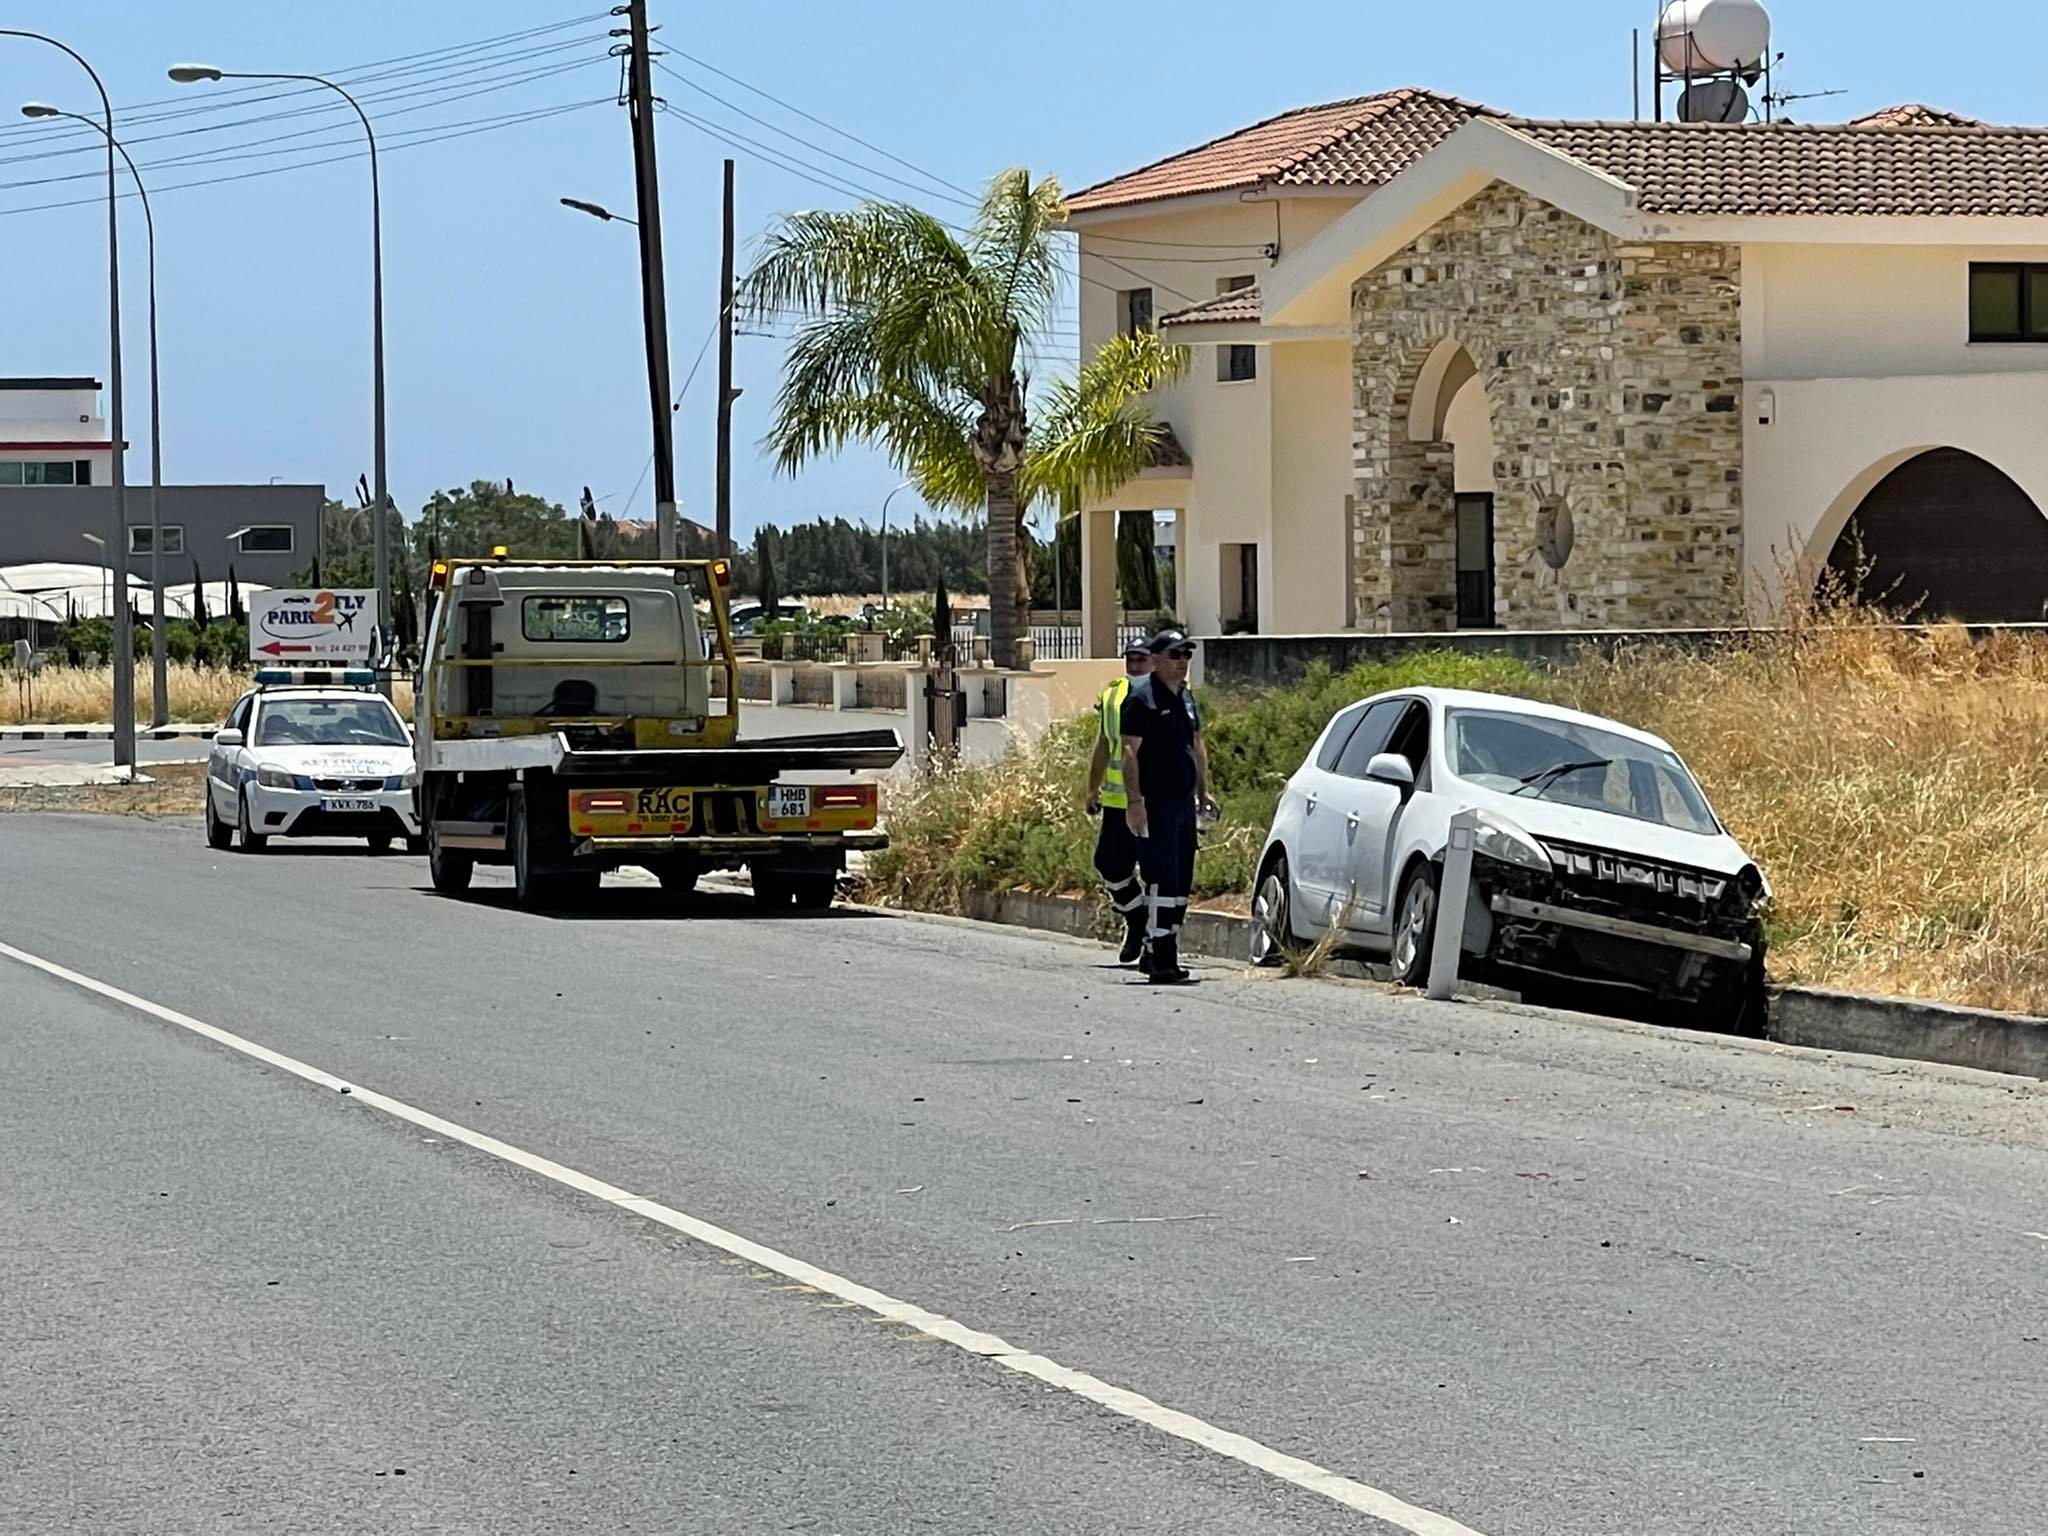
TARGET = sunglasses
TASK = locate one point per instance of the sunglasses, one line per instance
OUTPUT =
(1184, 653)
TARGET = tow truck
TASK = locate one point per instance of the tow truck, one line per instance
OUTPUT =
(579, 716)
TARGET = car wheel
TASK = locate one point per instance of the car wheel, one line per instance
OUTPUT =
(1415, 927)
(814, 893)
(218, 833)
(449, 868)
(381, 843)
(247, 840)
(1272, 916)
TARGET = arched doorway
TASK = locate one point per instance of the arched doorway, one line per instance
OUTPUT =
(1946, 535)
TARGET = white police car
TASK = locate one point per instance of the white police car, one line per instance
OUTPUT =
(311, 754)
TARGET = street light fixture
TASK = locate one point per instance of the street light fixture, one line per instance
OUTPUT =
(124, 640)
(160, 710)
(107, 585)
(190, 74)
(906, 485)
(598, 211)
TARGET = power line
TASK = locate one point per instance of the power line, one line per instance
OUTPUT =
(220, 100)
(510, 121)
(254, 149)
(1185, 245)
(829, 127)
(434, 88)
(807, 143)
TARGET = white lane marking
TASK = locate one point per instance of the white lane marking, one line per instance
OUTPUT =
(1351, 1494)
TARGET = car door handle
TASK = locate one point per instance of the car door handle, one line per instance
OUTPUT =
(1312, 803)
(1351, 821)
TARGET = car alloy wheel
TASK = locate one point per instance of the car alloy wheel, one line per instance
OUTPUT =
(1272, 928)
(247, 839)
(1415, 928)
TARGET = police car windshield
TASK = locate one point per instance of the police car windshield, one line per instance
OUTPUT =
(368, 722)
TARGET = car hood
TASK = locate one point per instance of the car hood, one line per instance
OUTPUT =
(1550, 821)
(335, 762)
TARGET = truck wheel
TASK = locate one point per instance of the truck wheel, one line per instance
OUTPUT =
(814, 893)
(448, 868)
(530, 891)
(773, 891)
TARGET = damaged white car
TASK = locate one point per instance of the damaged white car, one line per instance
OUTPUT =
(1598, 862)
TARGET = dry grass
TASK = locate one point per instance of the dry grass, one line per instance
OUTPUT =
(1892, 783)
(85, 696)
(174, 790)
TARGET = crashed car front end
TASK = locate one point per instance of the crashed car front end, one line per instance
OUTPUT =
(1574, 912)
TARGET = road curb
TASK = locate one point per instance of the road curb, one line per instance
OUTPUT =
(1815, 1018)
(102, 733)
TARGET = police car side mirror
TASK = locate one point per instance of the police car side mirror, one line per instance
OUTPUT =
(227, 738)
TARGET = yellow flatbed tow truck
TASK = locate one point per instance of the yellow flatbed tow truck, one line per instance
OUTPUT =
(573, 717)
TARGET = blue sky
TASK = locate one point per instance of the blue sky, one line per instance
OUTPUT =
(514, 333)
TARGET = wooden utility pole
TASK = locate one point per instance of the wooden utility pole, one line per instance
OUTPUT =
(725, 390)
(653, 302)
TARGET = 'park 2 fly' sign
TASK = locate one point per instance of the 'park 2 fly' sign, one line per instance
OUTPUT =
(299, 627)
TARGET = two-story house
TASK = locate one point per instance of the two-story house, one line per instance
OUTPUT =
(1458, 369)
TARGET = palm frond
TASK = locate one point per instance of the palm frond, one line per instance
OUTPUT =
(1016, 255)
(816, 261)
(1097, 430)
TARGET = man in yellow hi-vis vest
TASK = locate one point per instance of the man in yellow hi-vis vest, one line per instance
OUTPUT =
(1116, 851)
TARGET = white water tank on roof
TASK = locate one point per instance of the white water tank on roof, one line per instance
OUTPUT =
(1701, 36)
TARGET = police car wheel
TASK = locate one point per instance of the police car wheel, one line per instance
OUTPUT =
(247, 840)
(218, 833)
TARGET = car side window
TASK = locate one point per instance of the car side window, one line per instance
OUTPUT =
(238, 717)
(1339, 733)
(1370, 739)
(1410, 738)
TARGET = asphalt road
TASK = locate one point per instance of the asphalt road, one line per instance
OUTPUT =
(1529, 1273)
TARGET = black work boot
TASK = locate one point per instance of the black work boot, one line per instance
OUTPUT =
(1163, 967)
(1134, 939)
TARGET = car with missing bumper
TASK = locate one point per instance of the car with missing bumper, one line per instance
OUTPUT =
(1598, 863)
(311, 753)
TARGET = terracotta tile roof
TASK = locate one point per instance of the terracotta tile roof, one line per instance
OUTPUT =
(1784, 169)
(1239, 304)
(1362, 142)
(1167, 452)
(1912, 114)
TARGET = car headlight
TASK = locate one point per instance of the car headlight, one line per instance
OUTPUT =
(1498, 838)
(406, 780)
(277, 778)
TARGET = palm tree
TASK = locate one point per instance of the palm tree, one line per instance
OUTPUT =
(921, 339)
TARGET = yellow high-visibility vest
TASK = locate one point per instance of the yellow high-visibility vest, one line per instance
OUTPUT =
(1111, 708)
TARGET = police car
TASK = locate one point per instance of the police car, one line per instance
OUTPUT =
(311, 754)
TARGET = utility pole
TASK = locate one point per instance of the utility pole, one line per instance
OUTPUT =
(653, 303)
(725, 377)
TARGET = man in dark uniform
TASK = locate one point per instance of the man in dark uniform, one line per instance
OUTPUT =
(1166, 777)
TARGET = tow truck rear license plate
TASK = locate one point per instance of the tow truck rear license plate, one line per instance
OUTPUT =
(347, 807)
(789, 802)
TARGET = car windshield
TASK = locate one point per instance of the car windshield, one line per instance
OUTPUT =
(366, 722)
(1562, 760)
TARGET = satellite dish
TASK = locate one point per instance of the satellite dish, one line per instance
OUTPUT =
(1720, 100)
(1697, 37)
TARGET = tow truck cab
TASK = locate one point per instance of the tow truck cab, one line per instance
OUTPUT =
(575, 717)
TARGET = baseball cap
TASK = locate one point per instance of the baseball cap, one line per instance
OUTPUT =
(1138, 648)
(1170, 640)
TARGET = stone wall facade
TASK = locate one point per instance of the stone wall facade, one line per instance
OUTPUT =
(1613, 377)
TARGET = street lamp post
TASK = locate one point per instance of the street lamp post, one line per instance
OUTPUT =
(187, 74)
(124, 640)
(906, 485)
(160, 710)
(106, 572)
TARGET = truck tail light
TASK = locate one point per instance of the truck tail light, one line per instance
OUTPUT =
(848, 798)
(603, 804)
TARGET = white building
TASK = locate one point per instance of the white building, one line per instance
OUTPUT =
(1457, 369)
(52, 433)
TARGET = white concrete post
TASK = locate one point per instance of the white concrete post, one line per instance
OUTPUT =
(781, 683)
(845, 682)
(919, 709)
(1451, 900)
